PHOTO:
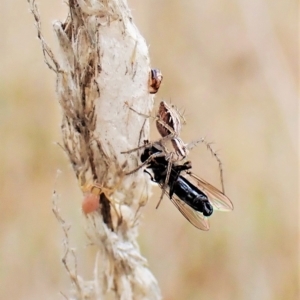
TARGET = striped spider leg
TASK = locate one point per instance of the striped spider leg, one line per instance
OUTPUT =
(193, 144)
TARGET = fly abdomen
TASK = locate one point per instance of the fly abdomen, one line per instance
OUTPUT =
(207, 208)
(200, 203)
(191, 195)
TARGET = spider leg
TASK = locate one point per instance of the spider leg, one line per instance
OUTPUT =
(146, 162)
(211, 150)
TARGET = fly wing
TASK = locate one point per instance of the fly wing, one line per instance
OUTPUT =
(194, 217)
(214, 195)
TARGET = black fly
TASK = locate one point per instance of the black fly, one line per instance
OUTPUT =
(193, 197)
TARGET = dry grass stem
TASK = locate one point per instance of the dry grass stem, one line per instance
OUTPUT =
(104, 63)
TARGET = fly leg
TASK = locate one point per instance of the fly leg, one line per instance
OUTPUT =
(169, 169)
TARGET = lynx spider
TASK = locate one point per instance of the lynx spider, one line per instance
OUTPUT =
(168, 124)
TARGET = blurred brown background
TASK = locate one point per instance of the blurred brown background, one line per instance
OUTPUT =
(233, 66)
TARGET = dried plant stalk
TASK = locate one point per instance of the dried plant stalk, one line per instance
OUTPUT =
(104, 63)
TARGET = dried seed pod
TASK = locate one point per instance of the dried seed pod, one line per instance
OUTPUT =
(91, 200)
(155, 79)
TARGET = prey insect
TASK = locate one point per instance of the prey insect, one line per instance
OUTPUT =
(193, 197)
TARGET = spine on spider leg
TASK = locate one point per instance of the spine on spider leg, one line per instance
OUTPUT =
(104, 63)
